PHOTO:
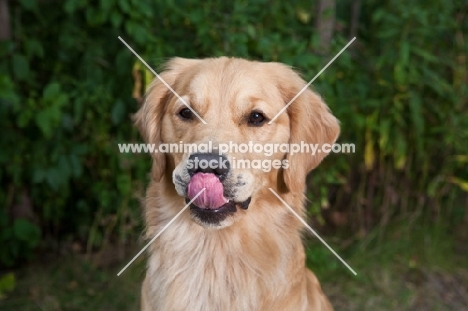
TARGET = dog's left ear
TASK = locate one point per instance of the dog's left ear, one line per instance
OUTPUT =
(148, 118)
(311, 122)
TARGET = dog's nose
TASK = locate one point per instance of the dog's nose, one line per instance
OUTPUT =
(208, 163)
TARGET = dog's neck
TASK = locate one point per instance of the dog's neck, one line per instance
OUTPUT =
(235, 265)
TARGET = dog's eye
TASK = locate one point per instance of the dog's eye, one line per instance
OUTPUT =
(186, 113)
(256, 118)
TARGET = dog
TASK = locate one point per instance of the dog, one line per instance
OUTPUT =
(237, 246)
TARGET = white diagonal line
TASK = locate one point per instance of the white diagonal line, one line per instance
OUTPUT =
(161, 79)
(159, 233)
(313, 231)
(308, 84)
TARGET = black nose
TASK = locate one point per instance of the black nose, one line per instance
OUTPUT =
(208, 163)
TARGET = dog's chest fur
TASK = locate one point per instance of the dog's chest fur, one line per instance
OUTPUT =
(192, 268)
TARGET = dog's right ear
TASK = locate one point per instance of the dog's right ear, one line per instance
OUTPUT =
(310, 122)
(148, 118)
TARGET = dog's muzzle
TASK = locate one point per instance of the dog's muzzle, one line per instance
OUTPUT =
(206, 188)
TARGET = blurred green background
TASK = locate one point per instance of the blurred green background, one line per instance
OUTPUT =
(396, 210)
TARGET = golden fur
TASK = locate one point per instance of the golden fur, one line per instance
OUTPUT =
(255, 260)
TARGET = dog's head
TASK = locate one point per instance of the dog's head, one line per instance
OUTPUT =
(237, 99)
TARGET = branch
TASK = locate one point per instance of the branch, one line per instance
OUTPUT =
(355, 12)
(5, 33)
(324, 23)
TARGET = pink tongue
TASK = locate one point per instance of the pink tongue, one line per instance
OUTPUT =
(212, 197)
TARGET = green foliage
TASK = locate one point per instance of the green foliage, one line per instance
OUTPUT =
(402, 100)
(65, 99)
(65, 103)
(7, 284)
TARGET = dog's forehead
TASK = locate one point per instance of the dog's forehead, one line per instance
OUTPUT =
(223, 80)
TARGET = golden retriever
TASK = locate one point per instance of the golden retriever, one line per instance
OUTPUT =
(246, 254)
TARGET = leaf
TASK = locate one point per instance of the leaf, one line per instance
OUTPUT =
(124, 184)
(7, 284)
(20, 67)
(116, 19)
(149, 77)
(67, 122)
(30, 5)
(424, 54)
(251, 31)
(137, 78)
(51, 91)
(461, 158)
(26, 231)
(49, 117)
(384, 136)
(34, 48)
(118, 111)
(76, 165)
(463, 184)
(138, 33)
(65, 169)
(7, 89)
(417, 119)
(39, 175)
(369, 154)
(42, 119)
(400, 151)
(54, 178)
(94, 16)
(303, 16)
(70, 6)
(404, 53)
(399, 74)
(106, 5)
(124, 6)
(378, 15)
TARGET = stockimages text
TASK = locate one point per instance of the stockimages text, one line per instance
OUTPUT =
(267, 149)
